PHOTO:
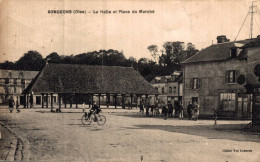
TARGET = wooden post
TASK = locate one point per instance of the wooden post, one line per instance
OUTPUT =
(71, 100)
(108, 100)
(115, 99)
(27, 101)
(24, 101)
(99, 100)
(42, 100)
(51, 102)
(131, 101)
(92, 100)
(76, 95)
(59, 96)
(47, 101)
(31, 101)
(89, 100)
(65, 100)
(123, 101)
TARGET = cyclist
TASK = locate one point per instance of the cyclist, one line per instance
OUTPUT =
(95, 109)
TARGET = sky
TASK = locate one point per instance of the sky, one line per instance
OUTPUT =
(26, 25)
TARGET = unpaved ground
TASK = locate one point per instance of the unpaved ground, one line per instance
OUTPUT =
(128, 136)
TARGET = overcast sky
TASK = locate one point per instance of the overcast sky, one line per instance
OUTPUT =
(26, 25)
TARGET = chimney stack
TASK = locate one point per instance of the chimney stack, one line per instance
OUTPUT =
(222, 39)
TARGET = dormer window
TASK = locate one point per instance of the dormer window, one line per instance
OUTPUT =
(233, 52)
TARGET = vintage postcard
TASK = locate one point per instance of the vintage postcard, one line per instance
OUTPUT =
(130, 80)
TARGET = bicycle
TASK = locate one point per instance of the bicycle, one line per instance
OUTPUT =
(87, 119)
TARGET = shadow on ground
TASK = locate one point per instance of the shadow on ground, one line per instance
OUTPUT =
(223, 131)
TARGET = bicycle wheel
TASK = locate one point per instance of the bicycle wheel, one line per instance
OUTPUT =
(85, 120)
(101, 120)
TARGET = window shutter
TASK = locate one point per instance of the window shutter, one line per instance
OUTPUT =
(191, 83)
(226, 76)
(199, 83)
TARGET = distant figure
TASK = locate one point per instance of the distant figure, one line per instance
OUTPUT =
(177, 108)
(170, 107)
(141, 107)
(195, 115)
(17, 105)
(215, 116)
(84, 107)
(11, 104)
(189, 110)
(165, 110)
(181, 111)
(147, 106)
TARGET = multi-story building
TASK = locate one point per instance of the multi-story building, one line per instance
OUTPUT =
(216, 77)
(170, 87)
(13, 82)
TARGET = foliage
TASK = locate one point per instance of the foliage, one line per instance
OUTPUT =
(172, 54)
(32, 60)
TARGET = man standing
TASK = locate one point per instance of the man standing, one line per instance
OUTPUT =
(189, 109)
(11, 104)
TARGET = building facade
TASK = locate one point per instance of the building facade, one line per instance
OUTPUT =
(170, 87)
(215, 77)
(13, 82)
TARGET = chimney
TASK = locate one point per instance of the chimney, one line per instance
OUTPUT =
(222, 39)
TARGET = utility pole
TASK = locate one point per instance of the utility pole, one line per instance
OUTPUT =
(252, 20)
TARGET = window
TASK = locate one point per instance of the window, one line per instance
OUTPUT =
(195, 83)
(7, 81)
(162, 90)
(231, 76)
(227, 101)
(174, 89)
(15, 81)
(156, 88)
(170, 90)
(233, 52)
(20, 75)
(23, 81)
(6, 90)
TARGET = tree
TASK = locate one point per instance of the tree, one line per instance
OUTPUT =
(53, 58)
(32, 60)
(8, 65)
(191, 50)
(154, 52)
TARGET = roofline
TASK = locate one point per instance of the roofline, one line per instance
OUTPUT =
(90, 65)
(223, 60)
(237, 41)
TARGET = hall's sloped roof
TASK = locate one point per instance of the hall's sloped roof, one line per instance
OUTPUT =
(74, 78)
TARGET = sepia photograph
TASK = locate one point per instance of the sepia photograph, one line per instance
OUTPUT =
(130, 80)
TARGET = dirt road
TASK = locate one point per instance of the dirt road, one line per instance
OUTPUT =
(129, 136)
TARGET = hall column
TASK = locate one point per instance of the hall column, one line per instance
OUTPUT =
(131, 101)
(51, 102)
(47, 100)
(123, 101)
(115, 99)
(99, 100)
(59, 98)
(31, 101)
(42, 100)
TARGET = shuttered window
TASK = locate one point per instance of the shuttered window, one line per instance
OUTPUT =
(195, 83)
(231, 76)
